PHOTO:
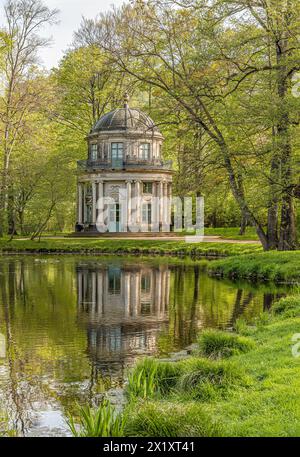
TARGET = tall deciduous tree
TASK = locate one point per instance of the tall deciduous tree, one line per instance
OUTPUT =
(24, 20)
(216, 59)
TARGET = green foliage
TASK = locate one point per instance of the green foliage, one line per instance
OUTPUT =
(217, 344)
(169, 419)
(100, 422)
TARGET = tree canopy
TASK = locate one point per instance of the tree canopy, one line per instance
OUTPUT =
(218, 76)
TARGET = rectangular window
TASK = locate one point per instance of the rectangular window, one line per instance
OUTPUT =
(146, 213)
(145, 151)
(117, 150)
(94, 151)
(147, 188)
(146, 283)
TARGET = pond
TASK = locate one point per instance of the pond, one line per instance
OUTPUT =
(71, 326)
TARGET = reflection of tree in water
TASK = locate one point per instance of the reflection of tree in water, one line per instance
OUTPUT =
(17, 401)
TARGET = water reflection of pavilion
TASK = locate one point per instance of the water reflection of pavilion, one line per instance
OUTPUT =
(122, 308)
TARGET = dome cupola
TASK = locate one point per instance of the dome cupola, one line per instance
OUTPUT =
(125, 119)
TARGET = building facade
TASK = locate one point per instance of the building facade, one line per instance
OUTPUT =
(124, 185)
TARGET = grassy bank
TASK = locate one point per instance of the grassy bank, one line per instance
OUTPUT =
(270, 266)
(137, 247)
(232, 233)
(243, 384)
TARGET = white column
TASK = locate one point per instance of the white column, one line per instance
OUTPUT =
(128, 204)
(170, 202)
(165, 222)
(161, 204)
(138, 202)
(155, 208)
(94, 203)
(100, 207)
(79, 213)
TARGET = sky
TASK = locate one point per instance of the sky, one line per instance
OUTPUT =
(71, 13)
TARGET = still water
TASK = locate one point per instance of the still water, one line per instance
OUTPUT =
(70, 327)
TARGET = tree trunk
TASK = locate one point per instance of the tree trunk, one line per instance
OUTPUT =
(287, 231)
(243, 225)
(11, 219)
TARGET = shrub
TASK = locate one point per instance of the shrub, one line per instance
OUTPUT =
(204, 379)
(217, 344)
(171, 420)
(102, 422)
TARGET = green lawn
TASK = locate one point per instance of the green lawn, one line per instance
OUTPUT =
(252, 390)
(149, 247)
(232, 233)
(274, 266)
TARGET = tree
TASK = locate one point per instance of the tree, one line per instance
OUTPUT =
(215, 60)
(24, 19)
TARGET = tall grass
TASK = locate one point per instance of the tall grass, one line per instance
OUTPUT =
(171, 419)
(193, 378)
(205, 380)
(217, 344)
(100, 422)
(151, 378)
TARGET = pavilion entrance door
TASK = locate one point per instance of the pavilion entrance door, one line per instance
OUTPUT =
(114, 217)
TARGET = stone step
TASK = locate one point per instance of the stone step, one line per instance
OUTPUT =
(124, 235)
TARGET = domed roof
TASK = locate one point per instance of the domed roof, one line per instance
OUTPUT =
(125, 119)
